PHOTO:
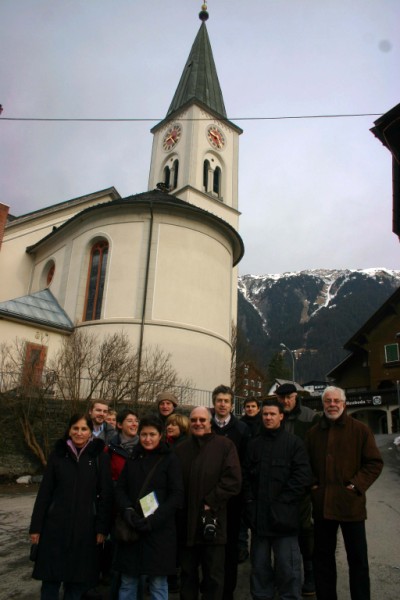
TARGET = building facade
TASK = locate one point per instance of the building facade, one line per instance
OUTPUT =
(159, 266)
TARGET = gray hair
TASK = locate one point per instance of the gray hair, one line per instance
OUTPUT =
(333, 388)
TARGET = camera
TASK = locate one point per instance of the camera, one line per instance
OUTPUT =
(209, 527)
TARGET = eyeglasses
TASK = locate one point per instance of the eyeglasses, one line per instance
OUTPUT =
(200, 419)
(332, 401)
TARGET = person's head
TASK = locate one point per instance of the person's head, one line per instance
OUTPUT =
(98, 411)
(166, 403)
(79, 430)
(200, 421)
(333, 402)
(177, 425)
(111, 418)
(150, 432)
(272, 414)
(287, 396)
(251, 407)
(222, 399)
(128, 422)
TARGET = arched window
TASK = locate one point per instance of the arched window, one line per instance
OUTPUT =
(206, 169)
(96, 280)
(175, 169)
(167, 176)
(217, 181)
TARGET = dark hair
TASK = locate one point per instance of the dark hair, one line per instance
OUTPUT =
(151, 421)
(251, 399)
(121, 416)
(272, 402)
(74, 419)
(223, 389)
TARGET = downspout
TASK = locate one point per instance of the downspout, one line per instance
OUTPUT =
(144, 304)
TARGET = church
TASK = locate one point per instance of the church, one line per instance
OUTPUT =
(161, 266)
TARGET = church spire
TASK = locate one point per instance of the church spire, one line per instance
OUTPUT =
(199, 80)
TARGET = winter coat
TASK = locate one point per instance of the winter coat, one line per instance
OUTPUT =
(237, 431)
(72, 506)
(276, 472)
(254, 423)
(211, 475)
(300, 420)
(155, 551)
(118, 455)
(342, 451)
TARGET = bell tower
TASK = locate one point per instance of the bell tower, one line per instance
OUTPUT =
(195, 148)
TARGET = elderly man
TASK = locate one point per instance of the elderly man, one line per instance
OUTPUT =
(345, 461)
(275, 473)
(298, 420)
(211, 475)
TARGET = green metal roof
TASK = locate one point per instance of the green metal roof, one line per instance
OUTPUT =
(199, 80)
(40, 308)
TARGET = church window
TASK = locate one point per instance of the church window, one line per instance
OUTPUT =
(96, 281)
(50, 274)
(35, 356)
(175, 170)
(217, 182)
(206, 169)
(167, 176)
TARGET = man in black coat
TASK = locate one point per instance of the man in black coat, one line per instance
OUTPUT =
(211, 476)
(276, 472)
(225, 424)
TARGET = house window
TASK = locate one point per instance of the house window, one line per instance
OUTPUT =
(96, 280)
(35, 357)
(252, 382)
(246, 369)
(245, 382)
(391, 352)
(258, 384)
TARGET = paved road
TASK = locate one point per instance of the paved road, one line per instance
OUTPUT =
(383, 529)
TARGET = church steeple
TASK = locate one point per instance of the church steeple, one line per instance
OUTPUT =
(199, 80)
(195, 147)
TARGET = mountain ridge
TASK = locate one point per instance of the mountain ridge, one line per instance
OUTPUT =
(313, 312)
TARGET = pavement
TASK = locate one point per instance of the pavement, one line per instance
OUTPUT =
(383, 532)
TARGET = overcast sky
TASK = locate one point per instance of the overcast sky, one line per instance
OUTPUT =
(314, 193)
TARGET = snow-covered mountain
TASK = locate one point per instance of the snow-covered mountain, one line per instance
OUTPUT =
(313, 312)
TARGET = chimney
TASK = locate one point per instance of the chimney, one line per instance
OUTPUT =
(3, 220)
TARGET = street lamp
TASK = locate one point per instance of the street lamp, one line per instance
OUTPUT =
(291, 352)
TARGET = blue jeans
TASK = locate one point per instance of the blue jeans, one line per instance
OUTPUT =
(285, 575)
(158, 586)
(72, 591)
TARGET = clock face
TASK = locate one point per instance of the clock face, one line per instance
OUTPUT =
(216, 137)
(172, 137)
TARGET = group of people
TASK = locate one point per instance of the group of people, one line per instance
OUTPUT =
(196, 493)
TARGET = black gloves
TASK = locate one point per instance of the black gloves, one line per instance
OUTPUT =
(131, 517)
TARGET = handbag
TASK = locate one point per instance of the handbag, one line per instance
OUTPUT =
(123, 532)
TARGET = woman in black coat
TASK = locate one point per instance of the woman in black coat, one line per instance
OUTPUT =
(72, 512)
(154, 553)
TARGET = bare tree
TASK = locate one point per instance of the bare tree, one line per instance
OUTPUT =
(233, 354)
(26, 395)
(85, 368)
